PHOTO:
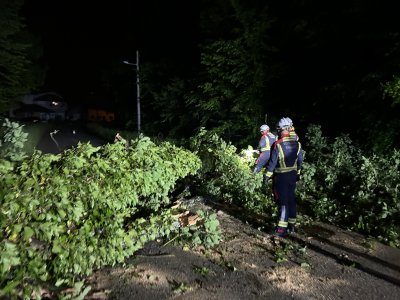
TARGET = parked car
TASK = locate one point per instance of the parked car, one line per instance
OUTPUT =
(43, 106)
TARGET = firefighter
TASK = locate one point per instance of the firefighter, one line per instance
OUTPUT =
(284, 167)
(264, 147)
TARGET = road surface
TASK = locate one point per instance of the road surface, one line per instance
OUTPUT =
(63, 136)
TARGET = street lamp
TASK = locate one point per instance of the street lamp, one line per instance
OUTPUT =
(136, 65)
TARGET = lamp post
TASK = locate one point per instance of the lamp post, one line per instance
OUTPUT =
(136, 65)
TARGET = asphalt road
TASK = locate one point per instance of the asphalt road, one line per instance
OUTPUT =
(66, 135)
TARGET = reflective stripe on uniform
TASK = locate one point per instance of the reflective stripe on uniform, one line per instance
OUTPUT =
(281, 156)
(267, 145)
(283, 224)
(283, 168)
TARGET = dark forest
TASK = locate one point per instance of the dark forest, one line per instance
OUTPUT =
(221, 65)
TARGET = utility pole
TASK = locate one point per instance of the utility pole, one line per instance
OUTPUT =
(136, 65)
(138, 91)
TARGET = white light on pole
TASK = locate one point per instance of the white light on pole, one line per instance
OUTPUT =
(136, 65)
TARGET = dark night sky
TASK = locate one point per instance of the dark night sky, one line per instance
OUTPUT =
(329, 51)
(80, 36)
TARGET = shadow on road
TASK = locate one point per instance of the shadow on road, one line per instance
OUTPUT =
(381, 261)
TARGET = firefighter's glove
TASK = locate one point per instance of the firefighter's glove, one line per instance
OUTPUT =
(298, 178)
(266, 179)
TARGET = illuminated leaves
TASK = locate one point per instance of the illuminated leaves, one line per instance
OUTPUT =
(81, 207)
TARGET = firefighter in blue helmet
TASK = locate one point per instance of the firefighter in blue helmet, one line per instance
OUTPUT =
(284, 167)
(264, 147)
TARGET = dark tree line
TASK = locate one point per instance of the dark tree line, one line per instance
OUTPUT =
(18, 74)
(334, 63)
(318, 62)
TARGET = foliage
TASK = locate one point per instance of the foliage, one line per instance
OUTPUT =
(228, 101)
(262, 57)
(166, 100)
(226, 176)
(64, 215)
(392, 89)
(181, 287)
(12, 140)
(201, 270)
(205, 232)
(17, 75)
(227, 96)
(110, 133)
(170, 101)
(386, 131)
(344, 186)
(220, 103)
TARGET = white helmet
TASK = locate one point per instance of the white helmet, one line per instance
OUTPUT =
(290, 121)
(264, 128)
(284, 123)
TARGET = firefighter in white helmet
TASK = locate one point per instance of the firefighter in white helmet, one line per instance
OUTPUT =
(284, 167)
(264, 147)
(292, 132)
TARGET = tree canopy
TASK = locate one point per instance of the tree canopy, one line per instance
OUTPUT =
(17, 73)
(317, 62)
(224, 64)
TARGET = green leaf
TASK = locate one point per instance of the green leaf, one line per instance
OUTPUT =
(62, 213)
(305, 265)
(60, 281)
(28, 233)
(56, 248)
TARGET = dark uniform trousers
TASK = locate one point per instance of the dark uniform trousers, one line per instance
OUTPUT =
(284, 185)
